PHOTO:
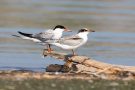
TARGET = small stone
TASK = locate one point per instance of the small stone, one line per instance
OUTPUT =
(114, 84)
(53, 85)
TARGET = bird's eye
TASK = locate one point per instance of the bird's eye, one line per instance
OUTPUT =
(84, 30)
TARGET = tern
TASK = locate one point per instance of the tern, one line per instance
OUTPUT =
(51, 34)
(72, 42)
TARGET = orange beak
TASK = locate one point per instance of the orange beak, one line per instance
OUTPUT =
(67, 30)
(91, 30)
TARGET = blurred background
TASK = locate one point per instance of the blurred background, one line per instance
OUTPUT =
(113, 20)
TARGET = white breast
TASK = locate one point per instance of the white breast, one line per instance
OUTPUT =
(57, 33)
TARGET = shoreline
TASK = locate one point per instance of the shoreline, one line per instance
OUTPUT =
(26, 74)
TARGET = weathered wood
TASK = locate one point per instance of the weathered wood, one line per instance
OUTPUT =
(87, 65)
(78, 67)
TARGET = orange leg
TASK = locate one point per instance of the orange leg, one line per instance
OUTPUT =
(45, 50)
(49, 48)
(74, 54)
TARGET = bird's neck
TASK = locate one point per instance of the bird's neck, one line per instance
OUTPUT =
(83, 35)
(57, 34)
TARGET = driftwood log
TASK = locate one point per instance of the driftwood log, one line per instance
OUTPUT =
(83, 64)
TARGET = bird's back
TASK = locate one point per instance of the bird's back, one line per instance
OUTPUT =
(46, 35)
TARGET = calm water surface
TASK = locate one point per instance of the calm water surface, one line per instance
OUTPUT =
(113, 42)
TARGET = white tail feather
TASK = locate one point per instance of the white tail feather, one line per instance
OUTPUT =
(32, 39)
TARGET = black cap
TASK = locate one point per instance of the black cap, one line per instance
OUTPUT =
(59, 26)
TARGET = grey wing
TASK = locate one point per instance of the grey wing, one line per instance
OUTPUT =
(72, 40)
(43, 36)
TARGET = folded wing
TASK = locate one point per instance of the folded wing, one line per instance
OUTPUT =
(43, 36)
(71, 41)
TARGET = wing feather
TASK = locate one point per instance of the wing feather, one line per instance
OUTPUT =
(43, 36)
(72, 40)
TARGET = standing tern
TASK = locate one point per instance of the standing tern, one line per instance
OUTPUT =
(72, 42)
(51, 34)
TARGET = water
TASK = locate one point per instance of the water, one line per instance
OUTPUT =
(113, 42)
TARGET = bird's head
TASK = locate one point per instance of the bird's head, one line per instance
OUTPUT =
(61, 28)
(85, 30)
